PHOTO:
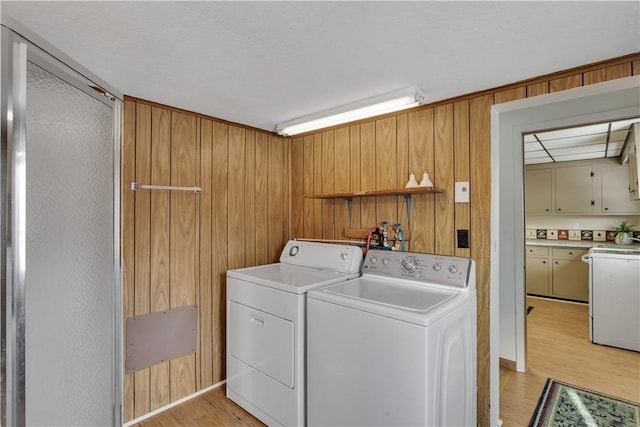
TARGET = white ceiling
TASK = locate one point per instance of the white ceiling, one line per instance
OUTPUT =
(261, 63)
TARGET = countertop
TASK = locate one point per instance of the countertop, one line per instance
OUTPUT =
(586, 244)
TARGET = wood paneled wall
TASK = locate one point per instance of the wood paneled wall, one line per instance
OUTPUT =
(177, 246)
(452, 141)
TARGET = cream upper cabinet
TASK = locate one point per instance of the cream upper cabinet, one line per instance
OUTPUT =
(615, 191)
(634, 161)
(594, 187)
(633, 173)
(574, 189)
(538, 194)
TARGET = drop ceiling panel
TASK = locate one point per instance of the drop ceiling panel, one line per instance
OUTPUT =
(575, 141)
(578, 143)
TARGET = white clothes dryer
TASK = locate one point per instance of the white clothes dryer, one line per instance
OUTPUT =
(395, 347)
(266, 327)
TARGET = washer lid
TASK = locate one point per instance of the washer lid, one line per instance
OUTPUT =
(398, 300)
(412, 298)
(290, 278)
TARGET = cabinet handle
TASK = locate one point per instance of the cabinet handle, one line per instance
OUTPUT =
(547, 209)
(570, 253)
(556, 262)
(544, 262)
(559, 209)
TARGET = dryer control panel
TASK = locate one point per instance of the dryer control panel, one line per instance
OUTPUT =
(327, 256)
(426, 268)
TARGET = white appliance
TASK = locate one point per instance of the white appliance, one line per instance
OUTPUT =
(614, 296)
(266, 327)
(395, 347)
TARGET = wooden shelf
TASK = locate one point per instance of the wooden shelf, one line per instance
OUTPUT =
(407, 193)
(373, 193)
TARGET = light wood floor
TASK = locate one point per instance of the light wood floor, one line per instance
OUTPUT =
(558, 347)
(207, 410)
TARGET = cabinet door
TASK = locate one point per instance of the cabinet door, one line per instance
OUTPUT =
(574, 189)
(570, 279)
(538, 191)
(634, 161)
(615, 191)
(633, 173)
(537, 276)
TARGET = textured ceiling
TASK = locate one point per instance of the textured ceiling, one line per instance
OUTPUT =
(260, 63)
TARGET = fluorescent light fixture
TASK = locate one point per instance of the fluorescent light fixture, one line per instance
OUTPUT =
(374, 106)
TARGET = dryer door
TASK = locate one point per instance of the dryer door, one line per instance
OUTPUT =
(263, 341)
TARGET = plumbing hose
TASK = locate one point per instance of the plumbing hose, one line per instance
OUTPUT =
(369, 237)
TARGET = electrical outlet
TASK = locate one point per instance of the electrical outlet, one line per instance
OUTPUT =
(463, 239)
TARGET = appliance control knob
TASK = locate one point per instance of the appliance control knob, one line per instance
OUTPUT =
(453, 268)
(386, 261)
(294, 250)
(374, 260)
(409, 264)
(344, 255)
(437, 266)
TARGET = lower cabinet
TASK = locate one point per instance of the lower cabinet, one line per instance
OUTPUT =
(557, 272)
(538, 277)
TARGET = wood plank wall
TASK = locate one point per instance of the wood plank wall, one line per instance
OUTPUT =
(177, 246)
(452, 141)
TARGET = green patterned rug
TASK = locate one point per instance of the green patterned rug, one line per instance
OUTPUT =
(566, 405)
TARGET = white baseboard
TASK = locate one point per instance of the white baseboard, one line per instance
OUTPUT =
(172, 404)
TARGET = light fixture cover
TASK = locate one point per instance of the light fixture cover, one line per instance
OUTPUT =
(374, 106)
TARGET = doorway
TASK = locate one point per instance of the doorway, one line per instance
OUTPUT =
(61, 329)
(589, 104)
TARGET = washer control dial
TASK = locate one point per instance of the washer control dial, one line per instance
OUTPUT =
(410, 264)
(437, 266)
(374, 260)
(386, 261)
(453, 268)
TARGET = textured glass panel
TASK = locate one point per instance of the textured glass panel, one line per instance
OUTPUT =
(69, 264)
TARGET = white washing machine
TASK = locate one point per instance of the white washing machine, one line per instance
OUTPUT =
(395, 347)
(266, 327)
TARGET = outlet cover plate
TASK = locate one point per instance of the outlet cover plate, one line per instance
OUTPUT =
(463, 239)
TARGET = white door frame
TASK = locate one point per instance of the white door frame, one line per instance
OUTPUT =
(588, 104)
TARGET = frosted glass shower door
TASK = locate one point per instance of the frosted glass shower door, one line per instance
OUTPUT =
(69, 288)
